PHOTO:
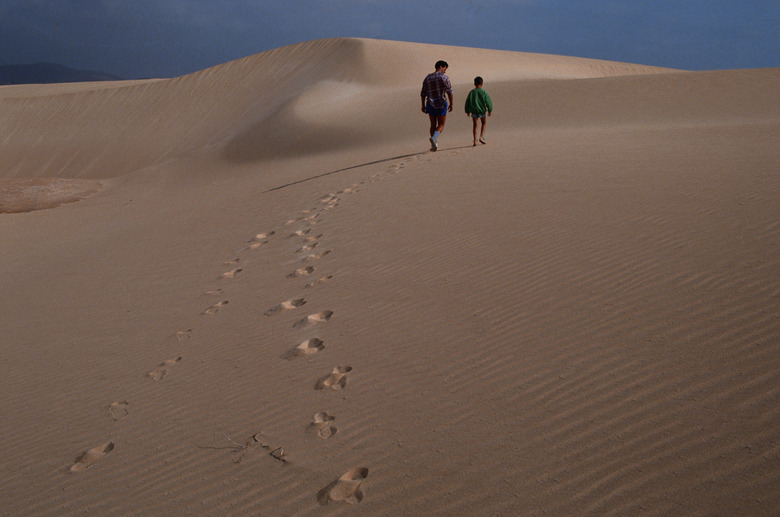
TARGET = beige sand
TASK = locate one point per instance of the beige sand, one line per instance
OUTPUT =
(258, 292)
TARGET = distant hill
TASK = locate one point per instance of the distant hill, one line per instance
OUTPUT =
(44, 73)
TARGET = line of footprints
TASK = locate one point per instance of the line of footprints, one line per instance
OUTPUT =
(348, 487)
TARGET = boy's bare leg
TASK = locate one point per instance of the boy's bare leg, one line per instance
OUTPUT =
(482, 131)
(474, 129)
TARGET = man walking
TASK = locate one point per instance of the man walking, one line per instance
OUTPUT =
(436, 89)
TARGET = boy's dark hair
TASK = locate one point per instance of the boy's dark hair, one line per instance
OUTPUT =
(440, 64)
(477, 81)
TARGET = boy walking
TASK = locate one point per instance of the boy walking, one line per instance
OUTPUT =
(434, 88)
(479, 107)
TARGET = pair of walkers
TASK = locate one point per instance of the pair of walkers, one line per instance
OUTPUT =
(437, 90)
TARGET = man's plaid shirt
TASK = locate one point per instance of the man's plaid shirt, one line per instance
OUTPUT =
(434, 87)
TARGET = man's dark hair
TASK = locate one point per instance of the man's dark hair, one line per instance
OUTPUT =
(477, 81)
(440, 64)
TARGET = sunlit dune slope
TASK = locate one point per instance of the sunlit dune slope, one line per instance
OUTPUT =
(249, 108)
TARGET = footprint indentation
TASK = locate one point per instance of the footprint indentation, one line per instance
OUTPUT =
(316, 256)
(349, 488)
(302, 271)
(335, 380)
(289, 304)
(214, 308)
(313, 319)
(307, 247)
(159, 372)
(261, 236)
(308, 347)
(318, 282)
(253, 246)
(230, 274)
(86, 459)
(300, 233)
(118, 409)
(183, 334)
(322, 424)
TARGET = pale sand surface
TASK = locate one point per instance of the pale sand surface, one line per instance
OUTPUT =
(272, 299)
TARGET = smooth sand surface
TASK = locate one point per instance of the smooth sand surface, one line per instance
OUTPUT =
(253, 290)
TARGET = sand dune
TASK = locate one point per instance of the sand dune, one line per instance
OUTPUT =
(255, 290)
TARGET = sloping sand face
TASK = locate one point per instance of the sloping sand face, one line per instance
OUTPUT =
(577, 318)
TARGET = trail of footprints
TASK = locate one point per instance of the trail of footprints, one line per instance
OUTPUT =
(349, 486)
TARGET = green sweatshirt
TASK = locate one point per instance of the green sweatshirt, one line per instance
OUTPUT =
(478, 101)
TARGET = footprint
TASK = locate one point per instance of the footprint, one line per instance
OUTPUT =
(232, 262)
(289, 304)
(316, 256)
(214, 292)
(302, 271)
(336, 380)
(307, 247)
(257, 241)
(349, 488)
(300, 233)
(252, 246)
(261, 236)
(323, 425)
(313, 319)
(86, 459)
(183, 334)
(214, 308)
(230, 274)
(308, 347)
(159, 372)
(318, 282)
(118, 410)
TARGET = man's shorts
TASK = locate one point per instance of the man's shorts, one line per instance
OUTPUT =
(430, 110)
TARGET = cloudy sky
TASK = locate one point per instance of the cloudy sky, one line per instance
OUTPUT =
(165, 38)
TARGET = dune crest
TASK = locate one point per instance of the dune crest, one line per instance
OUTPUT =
(123, 127)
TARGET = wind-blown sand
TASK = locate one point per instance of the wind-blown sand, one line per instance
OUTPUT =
(255, 291)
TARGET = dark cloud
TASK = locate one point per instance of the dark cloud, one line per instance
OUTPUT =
(144, 38)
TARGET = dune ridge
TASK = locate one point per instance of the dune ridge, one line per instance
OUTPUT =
(260, 305)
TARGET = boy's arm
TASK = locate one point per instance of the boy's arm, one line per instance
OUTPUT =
(489, 102)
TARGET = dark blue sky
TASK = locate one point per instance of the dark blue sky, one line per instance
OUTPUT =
(165, 38)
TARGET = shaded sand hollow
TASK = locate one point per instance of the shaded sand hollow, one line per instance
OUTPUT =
(253, 290)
